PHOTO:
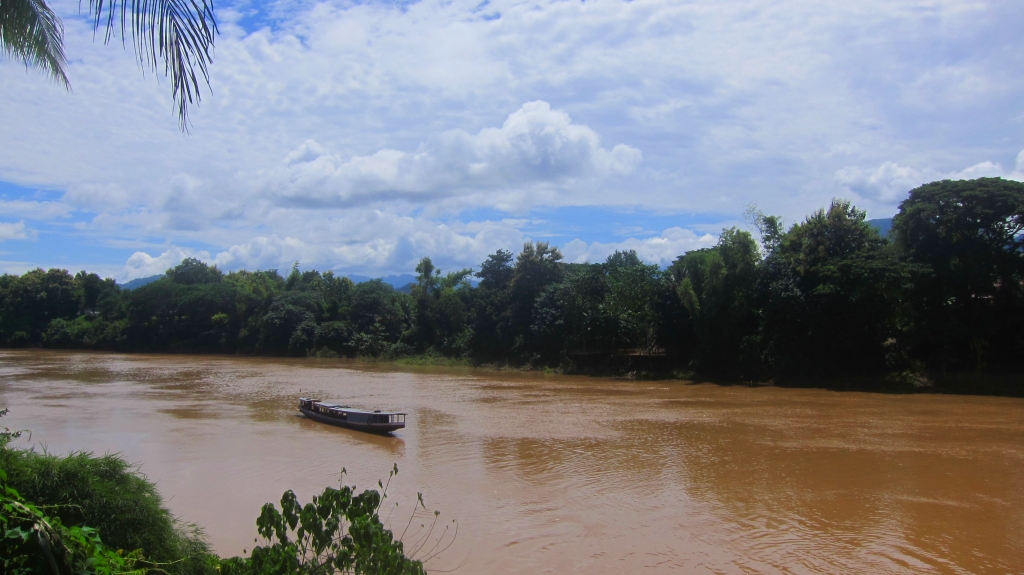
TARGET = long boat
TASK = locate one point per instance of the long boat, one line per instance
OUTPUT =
(376, 421)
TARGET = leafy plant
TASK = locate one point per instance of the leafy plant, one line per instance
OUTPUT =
(34, 542)
(338, 532)
(31, 541)
(87, 496)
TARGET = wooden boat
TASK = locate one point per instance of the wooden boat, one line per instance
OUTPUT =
(344, 416)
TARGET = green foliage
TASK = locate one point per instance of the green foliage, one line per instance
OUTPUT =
(180, 34)
(441, 310)
(634, 294)
(33, 542)
(172, 315)
(338, 532)
(831, 296)
(192, 271)
(379, 310)
(717, 288)
(537, 267)
(496, 271)
(106, 495)
(828, 296)
(31, 32)
(30, 302)
(968, 312)
(68, 502)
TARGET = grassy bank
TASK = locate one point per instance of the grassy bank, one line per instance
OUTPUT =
(82, 514)
(962, 383)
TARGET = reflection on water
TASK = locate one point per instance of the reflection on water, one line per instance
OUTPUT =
(558, 474)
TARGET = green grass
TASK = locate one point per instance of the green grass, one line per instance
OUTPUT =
(110, 495)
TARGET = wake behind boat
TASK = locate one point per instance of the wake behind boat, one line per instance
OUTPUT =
(345, 416)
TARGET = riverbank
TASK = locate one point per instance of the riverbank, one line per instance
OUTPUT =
(985, 384)
(1000, 384)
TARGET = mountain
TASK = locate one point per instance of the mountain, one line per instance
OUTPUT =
(883, 225)
(398, 282)
(139, 282)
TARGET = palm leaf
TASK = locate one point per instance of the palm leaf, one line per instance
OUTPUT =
(29, 30)
(177, 33)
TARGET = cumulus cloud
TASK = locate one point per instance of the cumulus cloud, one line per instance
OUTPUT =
(661, 250)
(408, 240)
(368, 243)
(271, 252)
(15, 231)
(140, 264)
(366, 134)
(890, 182)
(535, 146)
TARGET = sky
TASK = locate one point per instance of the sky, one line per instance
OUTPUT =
(359, 137)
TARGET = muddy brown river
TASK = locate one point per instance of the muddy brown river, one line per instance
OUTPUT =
(554, 474)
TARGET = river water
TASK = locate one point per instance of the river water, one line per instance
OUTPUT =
(555, 474)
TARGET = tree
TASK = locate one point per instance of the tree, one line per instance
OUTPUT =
(492, 334)
(177, 33)
(634, 290)
(379, 311)
(167, 314)
(969, 310)
(30, 302)
(496, 271)
(537, 267)
(192, 271)
(830, 296)
(570, 315)
(441, 306)
(716, 286)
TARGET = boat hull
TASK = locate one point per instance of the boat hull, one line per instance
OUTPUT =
(359, 426)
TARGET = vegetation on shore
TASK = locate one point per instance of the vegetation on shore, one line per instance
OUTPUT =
(83, 514)
(826, 299)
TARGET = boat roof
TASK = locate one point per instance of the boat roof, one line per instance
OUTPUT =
(353, 409)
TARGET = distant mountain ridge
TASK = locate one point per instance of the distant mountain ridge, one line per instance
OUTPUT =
(396, 281)
(883, 225)
(139, 282)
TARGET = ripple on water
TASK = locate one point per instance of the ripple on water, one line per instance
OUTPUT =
(561, 474)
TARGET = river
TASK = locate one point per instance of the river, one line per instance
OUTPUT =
(554, 474)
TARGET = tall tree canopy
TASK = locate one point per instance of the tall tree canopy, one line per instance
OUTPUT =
(828, 297)
(970, 233)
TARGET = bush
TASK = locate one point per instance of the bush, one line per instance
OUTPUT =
(108, 494)
(338, 531)
(54, 510)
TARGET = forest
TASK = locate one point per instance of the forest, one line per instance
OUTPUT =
(939, 299)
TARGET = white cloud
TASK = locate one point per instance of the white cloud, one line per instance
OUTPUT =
(535, 146)
(370, 243)
(343, 133)
(661, 250)
(15, 231)
(890, 182)
(141, 264)
(35, 210)
(887, 183)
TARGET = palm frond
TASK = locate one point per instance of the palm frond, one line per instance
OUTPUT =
(178, 33)
(29, 30)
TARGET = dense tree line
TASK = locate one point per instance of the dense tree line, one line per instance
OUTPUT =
(944, 292)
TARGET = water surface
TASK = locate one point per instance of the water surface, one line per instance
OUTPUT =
(553, 474)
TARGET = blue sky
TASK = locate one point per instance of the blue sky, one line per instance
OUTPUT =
(361, 136)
